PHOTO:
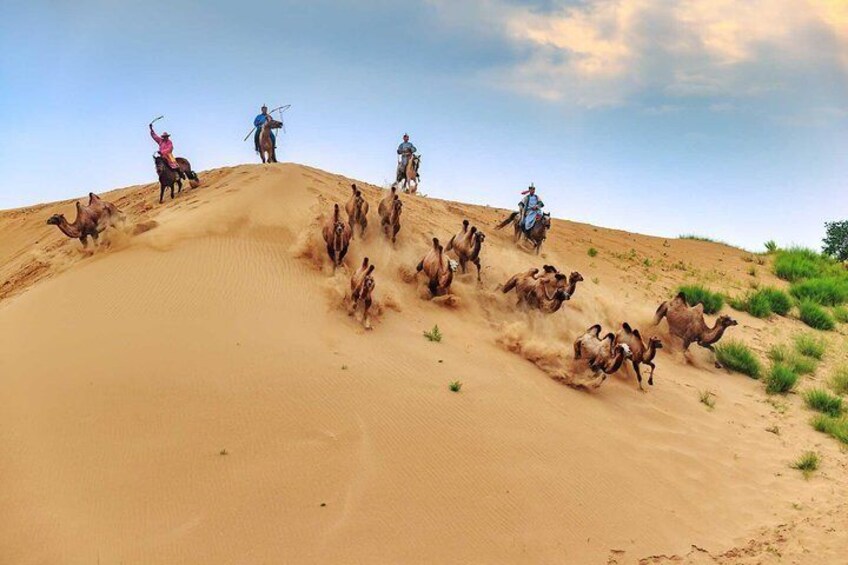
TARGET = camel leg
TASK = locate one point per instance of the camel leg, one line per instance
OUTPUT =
(161, 193)
(715, 359)
(434, 287)
(651, 376)
(638, 374)
(477, 264)
(84, 241)
(362, 225)
(366, 314)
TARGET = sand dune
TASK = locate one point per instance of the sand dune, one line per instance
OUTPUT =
(194, 391)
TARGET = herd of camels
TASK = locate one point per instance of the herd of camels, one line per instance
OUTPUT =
(545, 289)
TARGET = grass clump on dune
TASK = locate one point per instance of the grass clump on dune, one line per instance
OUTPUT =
(799, 263)
(592, 252)
(771, 246)
(815, 316)
(839, 380)
(763, 302)
(822, 401)
(835, 427)
(698, 294)
(810, 346)
(807, 463)
(780, 379)
(827, 291)
(737, 357)
(840, 314)
(434, 335)
(798, 363)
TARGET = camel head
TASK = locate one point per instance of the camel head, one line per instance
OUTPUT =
(623, 348)
(561, 295)
(56, 219)
(655, 342)
(575, 277)
(480, 236)
(726, 321)
(452, 265)
(546, 220)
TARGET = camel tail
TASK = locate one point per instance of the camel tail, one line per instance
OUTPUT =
(508, 221)
(661, 312)
(510, 284)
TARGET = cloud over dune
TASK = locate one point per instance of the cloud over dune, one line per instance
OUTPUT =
(605, 52)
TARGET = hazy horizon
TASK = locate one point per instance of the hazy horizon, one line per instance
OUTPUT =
(696, 117)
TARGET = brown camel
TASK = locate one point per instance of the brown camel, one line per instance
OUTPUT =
(357, 210)
(361, 286)
(687, 323)
(438, 268)
(337, 235)
(525, 282)
(593, 348)
(641, 354)
(109, 215)
(87, 223)
(565, 288)
(467, 245)
(389, 210)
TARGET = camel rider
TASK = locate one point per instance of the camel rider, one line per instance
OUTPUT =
(166, 150)
(405, 150)
(530, 208)
(258, 121)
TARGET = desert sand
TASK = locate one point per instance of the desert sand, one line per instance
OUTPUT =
(194, 391)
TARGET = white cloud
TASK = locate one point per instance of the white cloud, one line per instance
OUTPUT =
(604, 52)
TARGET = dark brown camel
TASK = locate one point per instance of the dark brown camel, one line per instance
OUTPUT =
(536, 235)
(357, 210)
(687, 323)
(438, 269)
(337, 236)
(361, 287)
(87, 223)
(389, 210)
(641, 354)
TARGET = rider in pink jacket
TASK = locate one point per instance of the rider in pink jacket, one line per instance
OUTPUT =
(166, 149)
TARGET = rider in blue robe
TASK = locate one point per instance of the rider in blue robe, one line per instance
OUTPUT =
(257, 123)
(531, 208)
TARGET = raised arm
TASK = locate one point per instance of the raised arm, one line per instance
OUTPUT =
(155, 137)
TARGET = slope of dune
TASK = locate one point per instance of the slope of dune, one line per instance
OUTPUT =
(194, 391)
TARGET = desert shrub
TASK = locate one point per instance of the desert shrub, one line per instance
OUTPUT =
(455, 386)
(836, 427)
(434, 335)
(737, 357)
(836, 239)
(771, 246)
(697, 294)
(810, 345)
(827, 291)
(780, 379)
(822, 401)
(779, 301)
(758, 305)
(707, 397)
(839, 380)
(592, 252)
(807, 463)
(763, 302)
(840, 314)
(798, 363)
(799, 263)
(815, 316)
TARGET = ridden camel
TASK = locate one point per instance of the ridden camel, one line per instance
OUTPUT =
(467, 245)
(641, 353)
(389, 210)
(357, 210)
(438, 269)
(408, 177)
(108, 214)
(687, 323)
(361, 286)
(337, 236)
(535, 235)
(87, 223)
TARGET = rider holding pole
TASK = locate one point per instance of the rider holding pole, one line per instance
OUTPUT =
(405, 150)
(257, 123)
(166, 150)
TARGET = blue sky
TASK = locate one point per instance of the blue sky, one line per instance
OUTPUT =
(715, 117)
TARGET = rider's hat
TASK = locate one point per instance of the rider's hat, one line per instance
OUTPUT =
(529, 188)
(166, 134)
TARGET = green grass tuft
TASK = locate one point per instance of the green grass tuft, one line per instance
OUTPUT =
(455, 386)
(815, 316)
(839, 380)
(737, 357)
(780, 379)
(840, 314)
(779, 301)
(771, 246)
(707, 397)
(763, 302)
(810, 346)
(827, 291)
(798, 363)
(696, 294)
(807, 463)
(592, 252)
(822, 401)
(434, 334)
(836, 427)
(759, 305)
(799, 263)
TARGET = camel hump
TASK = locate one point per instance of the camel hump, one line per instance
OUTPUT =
(638, 334)
(465, 223)
(435, 243)
(365, 262)
(370, 270)
(473, 230)
(594, 330)
(699, 308)
(394, 190)
(549, 268)
(626, 327)
(559, 277)
(353, 188)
